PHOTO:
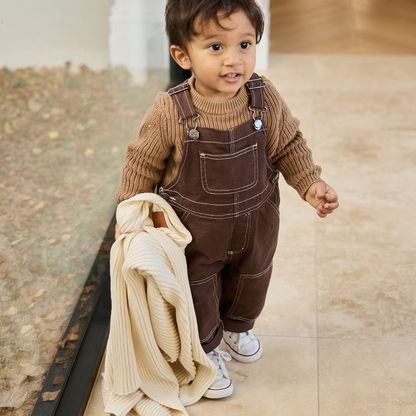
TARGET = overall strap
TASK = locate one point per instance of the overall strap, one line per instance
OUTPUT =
(255, 87)
(182, 99)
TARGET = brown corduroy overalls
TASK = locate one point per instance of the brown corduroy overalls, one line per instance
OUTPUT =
(226, 194)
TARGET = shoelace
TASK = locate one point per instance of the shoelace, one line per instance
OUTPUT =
(217, 356)
(243, 338)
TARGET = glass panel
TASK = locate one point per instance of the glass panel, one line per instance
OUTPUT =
(64, 129)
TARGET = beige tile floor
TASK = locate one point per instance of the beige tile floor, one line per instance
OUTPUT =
(339, 326)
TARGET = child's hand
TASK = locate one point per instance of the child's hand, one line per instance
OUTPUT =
(322, 197)
(158, 220)
(117, 232)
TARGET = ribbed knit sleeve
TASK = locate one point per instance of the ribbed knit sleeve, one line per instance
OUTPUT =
(157, 153)
(286, 146)
(146, 157)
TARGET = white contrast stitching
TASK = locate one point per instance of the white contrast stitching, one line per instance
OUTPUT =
(220, 205)
(240, 289)
(274, 206)
(228, 156)
(248, 228)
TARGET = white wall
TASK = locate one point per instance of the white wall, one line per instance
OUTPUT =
(137, 36)
(92, 32)
(50, 32)
(263, 47)
(138, 40)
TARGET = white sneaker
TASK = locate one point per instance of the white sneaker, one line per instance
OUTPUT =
(222, 386)
(243, 346)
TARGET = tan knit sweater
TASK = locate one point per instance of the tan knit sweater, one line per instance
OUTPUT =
(156, 154)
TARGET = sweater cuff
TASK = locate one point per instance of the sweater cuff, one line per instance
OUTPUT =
(303, 186)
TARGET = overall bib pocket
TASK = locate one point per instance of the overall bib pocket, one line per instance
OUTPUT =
(230, 172)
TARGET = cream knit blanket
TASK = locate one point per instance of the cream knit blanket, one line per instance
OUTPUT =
(154, 362)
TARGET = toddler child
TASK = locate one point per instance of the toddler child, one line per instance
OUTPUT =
(215, 145)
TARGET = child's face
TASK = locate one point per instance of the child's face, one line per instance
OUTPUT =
(222, 60)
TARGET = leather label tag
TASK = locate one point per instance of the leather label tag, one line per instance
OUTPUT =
(159, 220)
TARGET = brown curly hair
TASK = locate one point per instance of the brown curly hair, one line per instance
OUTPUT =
(182, 15)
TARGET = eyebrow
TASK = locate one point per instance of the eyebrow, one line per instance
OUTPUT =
(214, 35)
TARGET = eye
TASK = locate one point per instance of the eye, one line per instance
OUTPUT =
(215, 47)
(245, 45)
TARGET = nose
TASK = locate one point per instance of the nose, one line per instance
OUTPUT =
(232, 58)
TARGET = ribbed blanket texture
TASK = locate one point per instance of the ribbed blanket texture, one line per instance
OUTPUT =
(154, 363)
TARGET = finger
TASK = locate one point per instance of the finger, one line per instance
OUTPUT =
(331, 205)
(321, 214)
(327, 208)
(320, 190)
(331, 195)
(325, 212)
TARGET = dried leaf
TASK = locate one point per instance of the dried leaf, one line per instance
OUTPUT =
(66, 237)
(58, 380)
(12, 311)
(72, 337)
(87, 289)
(26, 328)
(50, 396)
(74, 329)
(40, 205)
(53, 135)
(57, 111)
(51, 316)
(62, 344)
(39, 293)
(37, 320)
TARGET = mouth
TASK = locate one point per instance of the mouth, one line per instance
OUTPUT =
(232, 77)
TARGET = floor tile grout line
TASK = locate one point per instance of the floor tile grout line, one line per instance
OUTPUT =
(315, 241)
(341, 339)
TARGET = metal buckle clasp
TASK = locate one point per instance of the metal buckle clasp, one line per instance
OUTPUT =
(192, 133)
(258, 122)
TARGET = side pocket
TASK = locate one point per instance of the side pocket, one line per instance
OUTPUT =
(182, 215)
(250, 296)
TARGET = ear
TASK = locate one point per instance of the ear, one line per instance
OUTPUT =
(180, 57)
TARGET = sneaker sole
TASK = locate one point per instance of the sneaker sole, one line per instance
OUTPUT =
(245, 358)
(220, 393)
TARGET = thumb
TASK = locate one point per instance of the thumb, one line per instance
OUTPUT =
(320, 190)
